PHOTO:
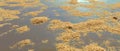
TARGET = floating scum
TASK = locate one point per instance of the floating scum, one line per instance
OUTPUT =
(70, 39)
(21, 3)
(39, 20)
(74, 33)
(71, 31)
(90, 47)
(7, 14)
(22, 43)
(23, 29)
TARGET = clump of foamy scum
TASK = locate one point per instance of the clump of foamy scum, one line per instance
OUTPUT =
(39, 20)
(93, 47)
(6, 14)
(69, 35)
(66, 47)
(73, 1)
(22, 43)
(23, 29)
